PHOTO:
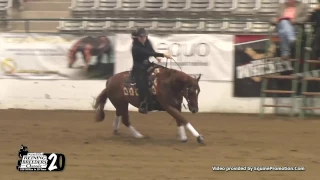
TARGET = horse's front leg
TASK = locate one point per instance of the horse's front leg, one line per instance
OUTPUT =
(87, 56)
(72, 58)
(181, 130)
(175, 113)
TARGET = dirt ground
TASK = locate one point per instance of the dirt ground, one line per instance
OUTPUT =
(93, 152)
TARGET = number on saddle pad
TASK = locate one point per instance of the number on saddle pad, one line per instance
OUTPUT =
(130, 89)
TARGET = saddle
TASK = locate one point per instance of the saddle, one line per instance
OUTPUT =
(130, 88)
(151, 72)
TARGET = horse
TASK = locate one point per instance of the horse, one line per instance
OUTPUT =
(90, 46)
(167, 87)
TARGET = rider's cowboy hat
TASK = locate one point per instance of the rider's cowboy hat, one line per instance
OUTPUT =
(141, 32)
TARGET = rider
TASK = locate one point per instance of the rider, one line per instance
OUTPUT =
(141, 51)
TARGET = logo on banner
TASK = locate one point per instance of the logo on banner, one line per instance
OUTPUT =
(182, 50)
(262, 64)
(31, 161)
(8, 65)
(177, 49)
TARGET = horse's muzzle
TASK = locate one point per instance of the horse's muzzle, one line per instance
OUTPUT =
(193, 109)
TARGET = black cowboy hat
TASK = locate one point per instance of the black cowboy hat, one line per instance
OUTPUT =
(141, 32)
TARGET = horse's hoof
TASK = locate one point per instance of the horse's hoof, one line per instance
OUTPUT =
(200, 139)
(184, 140)
(115, 132)
(139, 136)
(99, 116)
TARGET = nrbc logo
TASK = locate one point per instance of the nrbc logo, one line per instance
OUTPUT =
(31, 161)
(8, 65)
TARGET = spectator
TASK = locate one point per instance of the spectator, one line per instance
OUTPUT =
(289, 13)
(315, 18)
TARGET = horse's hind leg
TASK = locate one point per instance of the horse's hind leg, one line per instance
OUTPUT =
(126, 122)
(116, 123)
(122, 110)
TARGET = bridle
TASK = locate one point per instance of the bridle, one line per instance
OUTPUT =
(185, 94)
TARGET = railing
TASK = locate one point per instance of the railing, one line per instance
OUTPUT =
(28, 20)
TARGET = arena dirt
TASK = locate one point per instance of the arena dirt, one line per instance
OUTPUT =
(93, 152)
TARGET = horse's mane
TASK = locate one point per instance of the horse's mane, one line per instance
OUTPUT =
(171, 72)
(171, 76)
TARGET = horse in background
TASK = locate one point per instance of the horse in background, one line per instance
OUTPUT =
(168, 88)
(90, 46)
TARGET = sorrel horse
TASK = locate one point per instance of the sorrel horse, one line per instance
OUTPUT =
(90, 46)
(168, 88)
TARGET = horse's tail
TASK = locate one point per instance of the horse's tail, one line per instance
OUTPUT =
(99, 104)
(101, 99)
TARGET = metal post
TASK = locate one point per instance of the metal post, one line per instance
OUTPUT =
(264, 84)
(305, 69)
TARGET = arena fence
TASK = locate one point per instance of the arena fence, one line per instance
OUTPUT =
(298, 77)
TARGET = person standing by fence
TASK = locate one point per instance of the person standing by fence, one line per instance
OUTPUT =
(315, 18)
(289, 13)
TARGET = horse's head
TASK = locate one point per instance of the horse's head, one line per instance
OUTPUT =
(191, 92)
(184, 85)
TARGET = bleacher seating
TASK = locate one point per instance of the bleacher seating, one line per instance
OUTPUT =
(245, 7)
(4, 6)
(222, 6)
(198, 8)
(178, 10)
(268, 8)
(4, 12)
(106, 8)
(82, 8)
(257, 10)
(71, 26)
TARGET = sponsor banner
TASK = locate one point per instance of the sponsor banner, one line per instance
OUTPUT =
(208, 54)
(47, 56)
(253, 61)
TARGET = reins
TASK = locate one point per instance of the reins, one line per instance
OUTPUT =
(174, 62)
(180, 70)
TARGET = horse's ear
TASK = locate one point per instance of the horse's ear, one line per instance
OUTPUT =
(199, 78)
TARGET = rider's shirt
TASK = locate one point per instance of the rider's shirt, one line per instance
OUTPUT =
(141, 52)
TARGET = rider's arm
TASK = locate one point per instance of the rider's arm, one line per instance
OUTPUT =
(151, 47)
(141, 50)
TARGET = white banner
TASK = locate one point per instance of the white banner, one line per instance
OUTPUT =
(46, 56)
(208, 54)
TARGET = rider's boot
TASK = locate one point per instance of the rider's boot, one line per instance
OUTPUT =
(143, 108)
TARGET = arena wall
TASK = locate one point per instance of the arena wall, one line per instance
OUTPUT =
(25, 92)
(78, 95)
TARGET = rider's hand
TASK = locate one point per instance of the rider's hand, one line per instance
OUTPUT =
(167, 56)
